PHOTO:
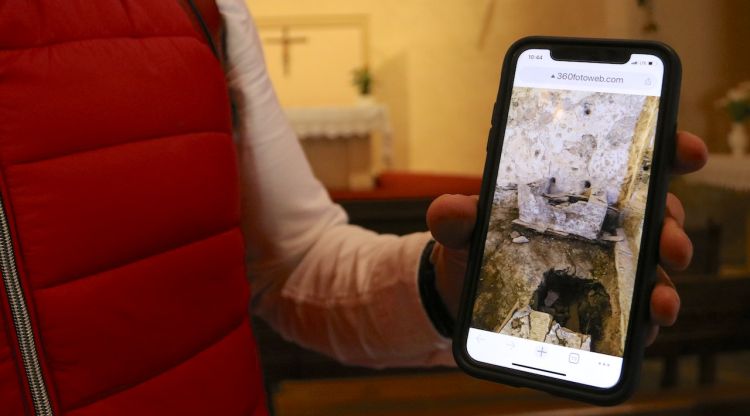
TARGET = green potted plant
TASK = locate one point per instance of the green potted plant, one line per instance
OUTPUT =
(737, 104)
(362, 79)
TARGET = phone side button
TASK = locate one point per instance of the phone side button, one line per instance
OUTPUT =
(494, 113)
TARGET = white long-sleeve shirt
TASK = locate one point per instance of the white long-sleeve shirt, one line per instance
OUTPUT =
(333, 287)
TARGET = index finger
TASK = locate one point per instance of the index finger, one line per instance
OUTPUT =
(691, 153)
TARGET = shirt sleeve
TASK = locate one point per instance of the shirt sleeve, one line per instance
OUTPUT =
(327, 285)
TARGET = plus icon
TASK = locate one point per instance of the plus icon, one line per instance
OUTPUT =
(541, 351)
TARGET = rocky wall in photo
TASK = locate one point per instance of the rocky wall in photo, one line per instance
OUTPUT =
(559, 256)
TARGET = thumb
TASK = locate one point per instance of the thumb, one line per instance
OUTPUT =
(451, 220)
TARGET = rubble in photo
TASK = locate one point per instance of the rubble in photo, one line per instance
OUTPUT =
(565, 227)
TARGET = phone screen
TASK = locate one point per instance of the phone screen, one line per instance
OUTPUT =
(562, 245)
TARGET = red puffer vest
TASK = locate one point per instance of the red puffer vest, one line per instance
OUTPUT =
(122, 260)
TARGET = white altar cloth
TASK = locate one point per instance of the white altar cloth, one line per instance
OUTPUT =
(724, 171)
(344, 122)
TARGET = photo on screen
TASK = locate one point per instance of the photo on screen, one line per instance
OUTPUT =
(562, 245)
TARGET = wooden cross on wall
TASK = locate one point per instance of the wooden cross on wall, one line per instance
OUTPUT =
(286, 43)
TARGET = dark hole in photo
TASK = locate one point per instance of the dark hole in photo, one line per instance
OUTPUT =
(579, 304)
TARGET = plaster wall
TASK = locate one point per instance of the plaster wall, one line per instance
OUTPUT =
(434, 71)
(440, 80)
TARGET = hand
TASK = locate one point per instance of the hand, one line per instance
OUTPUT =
(451, 220)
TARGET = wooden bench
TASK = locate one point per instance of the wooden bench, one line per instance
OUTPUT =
(714, 318)
(715, 315)
(451, 394)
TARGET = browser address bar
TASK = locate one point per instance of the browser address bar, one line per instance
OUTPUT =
(573, 78)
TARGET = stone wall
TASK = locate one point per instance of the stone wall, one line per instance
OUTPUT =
(633, 203)
(569, 200)
(573, 136)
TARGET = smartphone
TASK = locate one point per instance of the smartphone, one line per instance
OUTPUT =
(564, 252)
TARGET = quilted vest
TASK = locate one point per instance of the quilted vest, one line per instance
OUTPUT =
(123, 283)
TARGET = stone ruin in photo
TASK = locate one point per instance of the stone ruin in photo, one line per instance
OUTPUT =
(559, 256)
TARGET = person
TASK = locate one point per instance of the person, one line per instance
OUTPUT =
(121, 224)
(346, 291)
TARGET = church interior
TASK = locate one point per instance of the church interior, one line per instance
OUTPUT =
(391, 101)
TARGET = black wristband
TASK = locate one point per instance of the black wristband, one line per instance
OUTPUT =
(433, 304)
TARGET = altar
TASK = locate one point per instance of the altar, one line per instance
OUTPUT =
(731, 173)
(347, 146)
(724, 171)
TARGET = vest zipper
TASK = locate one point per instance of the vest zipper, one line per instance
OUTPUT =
(21, 320)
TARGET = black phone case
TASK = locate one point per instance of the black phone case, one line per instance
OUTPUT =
(663, 154)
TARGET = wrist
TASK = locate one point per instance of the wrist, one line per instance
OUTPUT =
(433, 301)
